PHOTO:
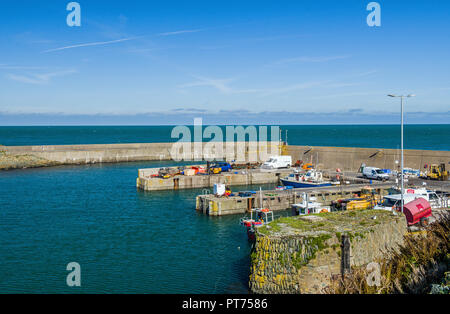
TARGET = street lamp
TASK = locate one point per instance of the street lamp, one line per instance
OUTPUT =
(401, 104)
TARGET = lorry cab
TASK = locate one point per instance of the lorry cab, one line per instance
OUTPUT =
(374, 173)
(277, 162)
(391, 202)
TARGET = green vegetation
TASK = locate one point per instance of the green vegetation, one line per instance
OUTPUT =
(8, 161)
(444, 287)
(411, 269)
(354, 223)
(316, 244)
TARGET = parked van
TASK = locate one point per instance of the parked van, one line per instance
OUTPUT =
(374, 173)
(277, 162)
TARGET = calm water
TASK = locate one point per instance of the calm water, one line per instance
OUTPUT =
(433, 137)
(126, 241)
(132, 241)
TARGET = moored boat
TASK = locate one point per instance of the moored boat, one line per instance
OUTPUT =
(311, 179)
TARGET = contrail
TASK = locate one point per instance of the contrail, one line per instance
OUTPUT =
(180, 32)
(90, 44)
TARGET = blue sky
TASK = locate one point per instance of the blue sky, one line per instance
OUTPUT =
(259, 59)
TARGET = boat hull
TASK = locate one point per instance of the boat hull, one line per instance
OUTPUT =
(304, 184)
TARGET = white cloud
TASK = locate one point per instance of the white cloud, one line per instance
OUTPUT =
(38, 79)
(219, 84)
(311, 59)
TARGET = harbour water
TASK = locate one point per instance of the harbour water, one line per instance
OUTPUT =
(125, 240)
(130, 241)
(432, 137)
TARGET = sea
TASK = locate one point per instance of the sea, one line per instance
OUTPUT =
(130, 241)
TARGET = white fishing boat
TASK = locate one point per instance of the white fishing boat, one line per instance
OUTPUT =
(310, 179)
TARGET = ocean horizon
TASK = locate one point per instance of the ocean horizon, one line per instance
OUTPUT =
(416, 136)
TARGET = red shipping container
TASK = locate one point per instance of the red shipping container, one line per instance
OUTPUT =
(417, 210)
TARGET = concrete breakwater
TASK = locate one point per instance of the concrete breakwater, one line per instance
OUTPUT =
(351, 158)
(348, 159)
(277, 200)
(238, 177)
(98, 153)
(302, 254)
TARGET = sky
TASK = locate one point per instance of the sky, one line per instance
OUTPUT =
(271, 62)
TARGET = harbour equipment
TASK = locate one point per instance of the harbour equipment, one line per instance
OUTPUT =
(367, 199)
(409, 172)
(246, 193)
(219, 189)
(437, 172)
(198, 169)
(168, 172)
(189, 172)
(312, 178)
(249, 165)
(417, 211)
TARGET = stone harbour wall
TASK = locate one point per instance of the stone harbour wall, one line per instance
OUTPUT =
(291, 260)
(346, 158)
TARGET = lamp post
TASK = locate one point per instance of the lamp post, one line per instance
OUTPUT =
(401, 174)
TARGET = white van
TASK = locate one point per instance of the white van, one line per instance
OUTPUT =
(374, 173)
(277, 162)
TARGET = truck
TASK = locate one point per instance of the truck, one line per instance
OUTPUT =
(220, 166)
(432, 197)
(277, 162)
(375, 173)
(393, 202)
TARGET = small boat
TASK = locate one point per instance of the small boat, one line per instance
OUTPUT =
(311, 179)
(309, 206)
(258, 217)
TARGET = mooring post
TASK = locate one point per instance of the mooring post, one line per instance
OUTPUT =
(345, 255)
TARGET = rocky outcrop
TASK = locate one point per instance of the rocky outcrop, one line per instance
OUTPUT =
(302, 254)
(8, 161)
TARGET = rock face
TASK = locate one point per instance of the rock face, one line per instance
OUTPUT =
(301, 254)
(8, 161)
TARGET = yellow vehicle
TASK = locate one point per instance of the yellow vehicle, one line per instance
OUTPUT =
(366, 200)
(361, 204)
(437, 172)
